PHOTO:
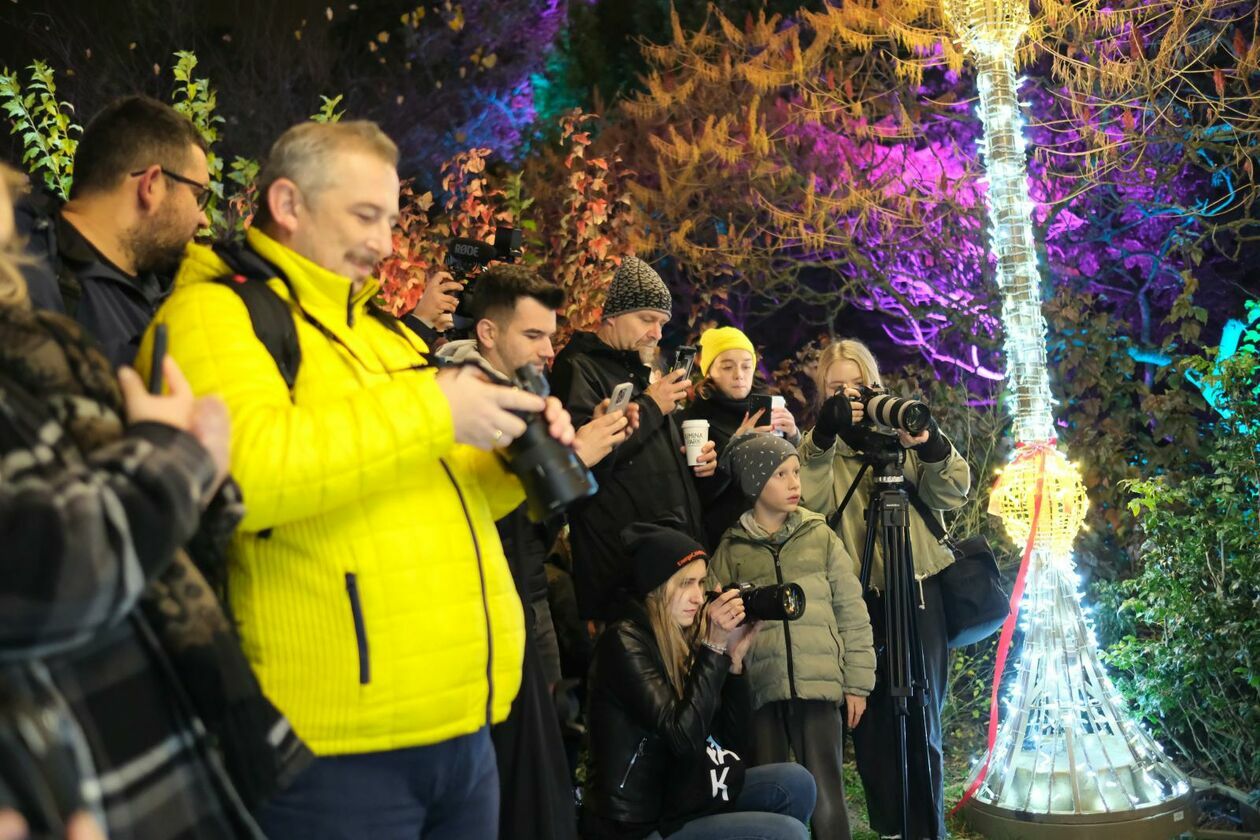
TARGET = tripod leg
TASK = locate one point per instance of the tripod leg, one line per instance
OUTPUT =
(900, 680)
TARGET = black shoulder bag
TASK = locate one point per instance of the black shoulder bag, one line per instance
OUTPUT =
(976, 604)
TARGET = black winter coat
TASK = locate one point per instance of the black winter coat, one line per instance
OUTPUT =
(66, 274)
(645, 741)
(646, 479)
(720, 496)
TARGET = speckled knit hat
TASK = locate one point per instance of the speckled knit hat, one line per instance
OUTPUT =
(636, 285)
(753, 457)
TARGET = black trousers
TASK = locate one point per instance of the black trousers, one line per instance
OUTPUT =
(536, 796)
(875, 739)
(813, 732)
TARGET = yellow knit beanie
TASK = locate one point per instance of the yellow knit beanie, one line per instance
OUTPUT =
(714, 342)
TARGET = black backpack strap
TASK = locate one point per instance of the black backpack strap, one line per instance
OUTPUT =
(268, 312)
(37, 216)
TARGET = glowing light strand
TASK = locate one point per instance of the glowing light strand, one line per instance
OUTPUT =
(1065, 748)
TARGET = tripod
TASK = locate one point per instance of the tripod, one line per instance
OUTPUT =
(888, 521)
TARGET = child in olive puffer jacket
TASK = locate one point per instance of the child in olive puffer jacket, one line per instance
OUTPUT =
(801, 673)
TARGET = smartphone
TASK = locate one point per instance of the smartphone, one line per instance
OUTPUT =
(762, 403)
(621, 397)
(685, 358)
(159, 356)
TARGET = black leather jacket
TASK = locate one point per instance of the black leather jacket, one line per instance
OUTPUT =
(643, 737)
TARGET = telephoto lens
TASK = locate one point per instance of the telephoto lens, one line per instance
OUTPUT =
(910, 416)
(552, 474)
(775, 602)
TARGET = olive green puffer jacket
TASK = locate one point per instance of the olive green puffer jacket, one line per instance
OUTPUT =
(828, 651)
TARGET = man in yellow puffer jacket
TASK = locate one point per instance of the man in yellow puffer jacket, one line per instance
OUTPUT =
(368, 581)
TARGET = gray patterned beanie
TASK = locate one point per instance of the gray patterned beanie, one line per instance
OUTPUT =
(753, 457)
(636, 285)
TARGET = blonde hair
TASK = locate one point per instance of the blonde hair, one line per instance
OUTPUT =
(674, 642)
(12, 285)
(845, 349)
(305, 155)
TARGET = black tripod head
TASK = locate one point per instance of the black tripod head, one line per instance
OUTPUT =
(883, 452)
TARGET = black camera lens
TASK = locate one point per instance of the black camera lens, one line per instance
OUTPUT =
(776, 602)
(551, 473)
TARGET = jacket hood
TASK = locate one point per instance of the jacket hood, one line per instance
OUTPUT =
(798, 521)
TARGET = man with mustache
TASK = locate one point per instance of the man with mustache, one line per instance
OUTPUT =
(106, 257)
(646, 479)
(367, 578)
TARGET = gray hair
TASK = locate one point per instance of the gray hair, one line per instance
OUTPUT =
(304, 155)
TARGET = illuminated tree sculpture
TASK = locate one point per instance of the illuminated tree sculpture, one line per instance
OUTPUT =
(1066, 759)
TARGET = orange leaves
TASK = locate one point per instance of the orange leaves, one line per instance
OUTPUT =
(579, 225)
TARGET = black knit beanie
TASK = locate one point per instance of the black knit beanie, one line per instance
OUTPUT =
(658, 552)
(636, 285)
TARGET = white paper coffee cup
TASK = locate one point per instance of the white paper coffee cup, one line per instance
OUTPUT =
(777, 402)
(695, 436)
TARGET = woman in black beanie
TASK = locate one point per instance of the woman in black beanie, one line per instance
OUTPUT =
(667, 708)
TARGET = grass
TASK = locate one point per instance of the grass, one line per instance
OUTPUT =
(957, 768)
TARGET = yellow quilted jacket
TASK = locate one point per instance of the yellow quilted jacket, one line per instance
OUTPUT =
(368, 581)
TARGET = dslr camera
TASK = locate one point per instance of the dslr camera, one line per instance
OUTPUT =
(885, 414)
(775, 602)
(909, 416)
(464, 257)
(552, 474)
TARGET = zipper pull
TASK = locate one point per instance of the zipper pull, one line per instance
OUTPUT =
(638, 752)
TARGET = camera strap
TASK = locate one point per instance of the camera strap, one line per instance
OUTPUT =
(834, 520)
(929, 515)
(912, 492)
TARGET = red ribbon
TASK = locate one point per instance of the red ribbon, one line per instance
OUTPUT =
(1008, 629)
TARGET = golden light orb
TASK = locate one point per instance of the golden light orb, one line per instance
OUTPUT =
(1041, 470)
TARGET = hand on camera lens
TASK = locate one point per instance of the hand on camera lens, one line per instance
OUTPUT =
(835, 416)
(483, 412)
(725, 614)
(738, 643)
(930, 444)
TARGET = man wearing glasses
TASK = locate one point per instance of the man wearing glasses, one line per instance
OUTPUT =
(105, 257)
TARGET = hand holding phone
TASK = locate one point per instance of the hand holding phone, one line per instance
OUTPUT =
(762, 403)
(621, 397)
(684, 359)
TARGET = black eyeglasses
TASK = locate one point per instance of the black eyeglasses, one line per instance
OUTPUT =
(201, 191)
